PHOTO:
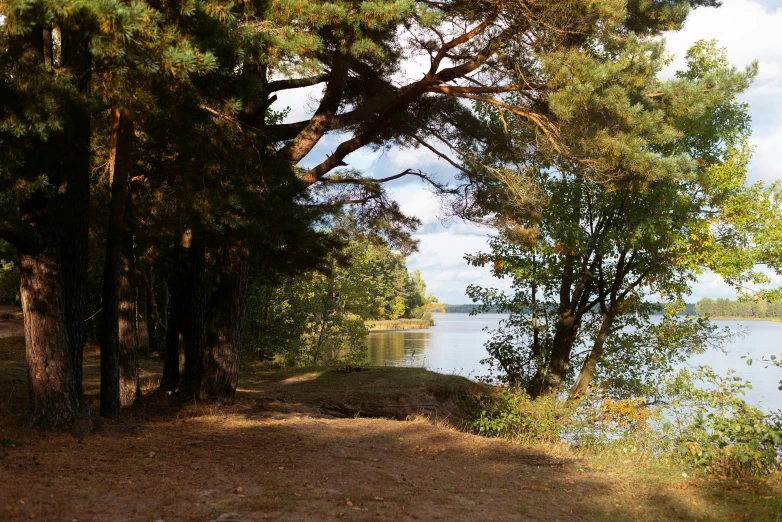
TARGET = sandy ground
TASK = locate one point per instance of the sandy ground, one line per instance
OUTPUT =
(268, 458)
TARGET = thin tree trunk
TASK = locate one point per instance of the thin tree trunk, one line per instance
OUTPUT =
(129, 388)
(154, 324)
(163, 308)
(227, 307)
(194, 320)
(590, 364)
(53, 395)
(170, 379)
(142, 317)
(109, 348)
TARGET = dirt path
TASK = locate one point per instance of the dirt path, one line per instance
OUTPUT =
(11, 328)
(275, 455)
(260, 463)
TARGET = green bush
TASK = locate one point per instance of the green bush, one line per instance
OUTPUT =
(511, 414)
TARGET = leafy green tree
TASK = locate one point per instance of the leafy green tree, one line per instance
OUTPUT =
(598, 251)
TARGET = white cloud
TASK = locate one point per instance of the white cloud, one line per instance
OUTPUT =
(749, 30)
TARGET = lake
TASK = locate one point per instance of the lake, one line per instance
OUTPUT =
(455, 345)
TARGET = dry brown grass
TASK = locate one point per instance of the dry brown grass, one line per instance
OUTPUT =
(276, 455)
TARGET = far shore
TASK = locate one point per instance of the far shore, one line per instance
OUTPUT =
(730, 318)
(399, 324)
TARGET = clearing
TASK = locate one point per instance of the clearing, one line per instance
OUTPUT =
(299, 445)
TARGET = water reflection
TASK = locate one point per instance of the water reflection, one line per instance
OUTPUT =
(456, 345)
(398, 348)
(453, 345)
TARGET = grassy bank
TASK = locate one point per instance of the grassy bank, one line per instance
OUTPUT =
(321, 444)
(399, 324)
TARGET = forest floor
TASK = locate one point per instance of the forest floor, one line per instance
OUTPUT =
(300, 445)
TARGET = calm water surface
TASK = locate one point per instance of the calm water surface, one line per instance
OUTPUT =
(455, 345)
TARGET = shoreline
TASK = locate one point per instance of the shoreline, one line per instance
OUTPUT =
(729, 318)
(389, 325)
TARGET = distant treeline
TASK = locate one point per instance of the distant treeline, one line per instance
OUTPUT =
(461, 308)
(743, 309)
(467, 308)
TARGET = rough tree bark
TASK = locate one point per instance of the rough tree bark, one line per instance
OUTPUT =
(54, 398)
(187, 316)
(122, 130)
(227, 307)
(129, 388)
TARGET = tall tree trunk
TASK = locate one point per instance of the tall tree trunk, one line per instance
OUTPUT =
(142, 317)
(72, 221)
(110, 404)
(194, 316)
(170, 379)
(227, 307)
(54, 399)
(129, 388)
(590, 364)
(52, 307)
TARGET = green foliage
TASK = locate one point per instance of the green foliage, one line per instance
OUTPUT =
(8, 443)
(513, 415)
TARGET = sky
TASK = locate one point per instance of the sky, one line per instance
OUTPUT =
(749, 29)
